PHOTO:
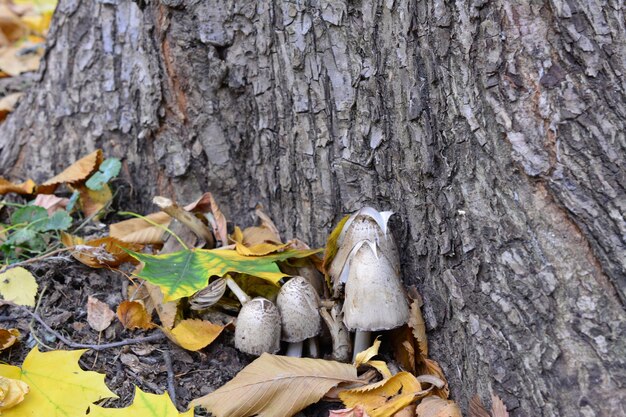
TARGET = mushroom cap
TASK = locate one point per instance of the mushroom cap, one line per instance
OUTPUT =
(375, 298)
(366, 224)
(298, 303)
(258, 327)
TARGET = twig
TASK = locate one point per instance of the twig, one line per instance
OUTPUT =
(38, 258)
(69, 343)
(171, 387)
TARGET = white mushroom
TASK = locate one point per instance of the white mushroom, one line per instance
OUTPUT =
(298, 304)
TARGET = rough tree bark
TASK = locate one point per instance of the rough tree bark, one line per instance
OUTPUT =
(496, 131)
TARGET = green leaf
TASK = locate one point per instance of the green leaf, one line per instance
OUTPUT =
(107, 170)
(60, 220)
(181, 274)
(29, 214)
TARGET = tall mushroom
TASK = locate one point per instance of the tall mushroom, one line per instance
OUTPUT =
(298, 304)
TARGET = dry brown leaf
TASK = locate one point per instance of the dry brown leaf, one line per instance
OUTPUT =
(133, 315)
(112, 251)
(141, 231)
(498, 409)
(276, 386)
(437, 407)
(365, 358)
(27, 187)
(99, 315)
(386, 397)
(255, 245)
(206, 205)
(357, 411)
(92, 201)
(430, 367)
(75, 173)
(166, 311)
(408, 411)
(416, 322)
(476, 408)
(12, 392)
(14, 60)
(8, 103)
(194, 334)
(51, 202)
(8, 337)
(11, 26)
(139, 292)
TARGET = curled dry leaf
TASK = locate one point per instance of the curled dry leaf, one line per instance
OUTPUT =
(12, 392)
(207, 205)
(50, 202)
(437, 407)
(476, 408)
(194, 334)
(113, 251)
(141, 231)
(99, 315)
(18, 286)
(8, 337)
(77, 172)
(356, 411)
(133, 315)
(166, 311)
(27, 187)
(416, 323)
(498, 409)
(365, 358)
(276, 386)
(431, 367)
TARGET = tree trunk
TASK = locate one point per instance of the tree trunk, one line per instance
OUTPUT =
(495, 130)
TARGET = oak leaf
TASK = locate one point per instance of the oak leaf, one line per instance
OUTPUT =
(8, 337)
(99, 315)
(133, 315)
(276, 386)
(27, 187)
(437, 407)
(144, 405)
(194, 334)
(58, 386)
(18, 286)
(12, 392)
(75, 173)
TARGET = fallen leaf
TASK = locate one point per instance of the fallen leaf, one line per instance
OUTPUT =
(430, 367)
(92, 202)
(181, 274)
(144, 405)
(476, 408)
(139, 230)
(408, 411)
(133, 315)
(50, 202)
(27, 187)
(99, 315)
(77, 172)
(416, 323)
(12, 392)
(276, 386)
(255, 245)
(365, 358)
(15, 60)
(437, 407)
(113, 252)
(8, 103)
(11, 26)
(386, 397)
(58, 386)
(167, 311)
(331, 246)
(498, 409)
(356, 411)
(206, 204)
(194, 334)
(8, 337)
(18, 286)
(107, 170)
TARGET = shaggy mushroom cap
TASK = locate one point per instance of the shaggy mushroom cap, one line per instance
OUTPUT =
(298, 304)
(375, 298)
(258, 327)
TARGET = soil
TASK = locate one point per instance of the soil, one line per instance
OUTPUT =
(65, 284)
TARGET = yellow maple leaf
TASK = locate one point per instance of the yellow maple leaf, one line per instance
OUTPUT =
(194, 334)
(58, 387)
(386, 397)
(12, 392)
(18, 286)
(144, 405)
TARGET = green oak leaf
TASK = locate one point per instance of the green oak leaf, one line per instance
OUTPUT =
(108, 169)
(181, 274)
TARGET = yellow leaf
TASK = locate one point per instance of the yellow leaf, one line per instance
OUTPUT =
(144, 405)
(58, 387)
(8, 337)
(18, 286)
(133, 315)
(276, 386)
(437, 407)
(27, 187)
(141, 231)
(99, 315)
(251, 242)
(331, 246)
(78, 171)
(384, 398)
(194, 334)
(12, 392)
(92, 201)
(365, 358)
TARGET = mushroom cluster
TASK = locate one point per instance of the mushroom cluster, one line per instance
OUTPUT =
(367, 265)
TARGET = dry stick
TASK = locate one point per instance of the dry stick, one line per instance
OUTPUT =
(171, 387)
(152, 338)
(38, 258)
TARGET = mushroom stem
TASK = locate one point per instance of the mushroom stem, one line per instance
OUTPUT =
(236, 289)
(294, 350)
(361, 342)
(313, 346)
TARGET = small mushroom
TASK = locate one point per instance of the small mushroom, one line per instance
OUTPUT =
(298, 304)
(375, 298)
(258, 323)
